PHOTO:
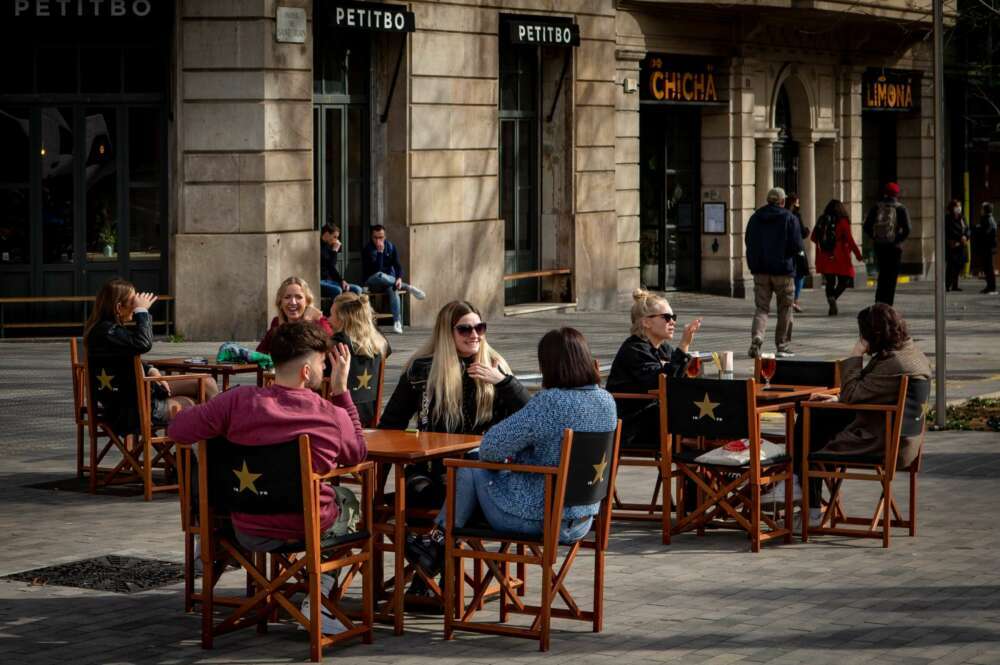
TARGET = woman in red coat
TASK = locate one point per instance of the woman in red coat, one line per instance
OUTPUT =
(834, 246)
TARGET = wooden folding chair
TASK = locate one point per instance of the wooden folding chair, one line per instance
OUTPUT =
(585, 475)
(656, 455)
(274, 479)
(802, 372)
(711, 412)
(79, 375)
(119, 400)
(904, 418)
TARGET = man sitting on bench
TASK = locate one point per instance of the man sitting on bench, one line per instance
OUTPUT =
(251, 416)
(383, 273)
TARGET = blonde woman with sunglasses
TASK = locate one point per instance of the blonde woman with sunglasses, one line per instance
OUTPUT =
(641, 359)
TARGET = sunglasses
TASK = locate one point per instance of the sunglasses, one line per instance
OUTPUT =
(666, 317)
(465, 329)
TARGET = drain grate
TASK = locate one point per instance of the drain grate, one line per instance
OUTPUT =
(118, 574)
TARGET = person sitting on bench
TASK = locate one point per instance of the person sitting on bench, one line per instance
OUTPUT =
(383, 273)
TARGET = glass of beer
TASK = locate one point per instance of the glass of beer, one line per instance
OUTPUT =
(693, 368)
(768, 366)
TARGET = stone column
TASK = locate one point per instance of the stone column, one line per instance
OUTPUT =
(626, 157)
(764, 167)
(244, 196)
(807, 190)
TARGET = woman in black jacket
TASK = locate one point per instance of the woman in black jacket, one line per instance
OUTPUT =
(106, 335)
(956, 236)
(641, 360)
(984, 244)
(353, 320)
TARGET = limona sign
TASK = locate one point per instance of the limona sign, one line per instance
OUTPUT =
(671, 79)
(890, 90)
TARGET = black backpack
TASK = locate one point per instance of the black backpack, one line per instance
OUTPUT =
(826, 233)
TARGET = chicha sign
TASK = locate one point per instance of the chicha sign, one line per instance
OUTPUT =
(678, 80)
(890, 90)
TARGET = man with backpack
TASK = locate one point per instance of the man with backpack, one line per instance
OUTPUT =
(888, 224)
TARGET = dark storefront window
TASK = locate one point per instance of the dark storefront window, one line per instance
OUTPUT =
(341, 91)
(519, 74)
(83, 174)
(786, 149)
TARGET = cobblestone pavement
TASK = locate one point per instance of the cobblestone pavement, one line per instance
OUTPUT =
(930, 599)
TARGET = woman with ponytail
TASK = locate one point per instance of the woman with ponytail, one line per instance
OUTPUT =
(641, 359)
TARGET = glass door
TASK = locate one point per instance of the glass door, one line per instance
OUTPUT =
(669, 214)
(519, 163)
(341, 142)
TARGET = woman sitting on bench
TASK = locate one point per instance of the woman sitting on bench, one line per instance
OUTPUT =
(118, 303)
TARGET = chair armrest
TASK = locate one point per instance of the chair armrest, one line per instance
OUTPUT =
(176, 377)
(841, 406)
(499, 466)
(773, 408)
(649, 397)
(346, 470)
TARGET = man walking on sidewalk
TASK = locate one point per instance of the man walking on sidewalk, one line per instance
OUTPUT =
(773, 240)
(888, 224)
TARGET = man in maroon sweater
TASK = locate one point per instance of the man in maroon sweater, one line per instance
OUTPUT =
(253, 416)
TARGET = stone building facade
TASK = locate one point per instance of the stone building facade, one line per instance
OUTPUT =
(490, 139)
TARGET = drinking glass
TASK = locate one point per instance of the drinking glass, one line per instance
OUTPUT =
(693, 368)
(768, 366)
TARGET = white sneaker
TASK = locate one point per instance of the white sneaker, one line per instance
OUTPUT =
(417, 293)
(331, 624)
(815, 519)
(777, 495)
(785, 354)
(397, 327)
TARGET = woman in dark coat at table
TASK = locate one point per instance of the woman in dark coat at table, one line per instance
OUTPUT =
(106, 334)
(640, 361)
(893, 355)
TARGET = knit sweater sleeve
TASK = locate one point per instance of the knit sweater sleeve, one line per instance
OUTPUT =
(521, 431)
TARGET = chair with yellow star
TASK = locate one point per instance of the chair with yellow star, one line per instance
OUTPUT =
(276, 479)
(120, 419)
(585, 475)
(79, 375)
(710, 413)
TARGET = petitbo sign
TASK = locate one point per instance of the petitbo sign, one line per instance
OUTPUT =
(82, 8)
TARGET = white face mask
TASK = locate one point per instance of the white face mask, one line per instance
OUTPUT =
(958, 210)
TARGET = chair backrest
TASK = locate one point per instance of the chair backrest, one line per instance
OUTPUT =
(590, 465)
(113, 389)
(259, 480)
(363, 378)
(918, 392)
(798, 372)
(710, 408)
(79, 380)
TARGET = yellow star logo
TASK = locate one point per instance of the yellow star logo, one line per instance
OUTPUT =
(706, 407)
(599, 470)
(105, 380)
(247, 478)
(364, 381)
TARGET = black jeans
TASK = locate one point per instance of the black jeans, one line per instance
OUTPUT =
(954, 262)
(824, 425)
(836, 285)
(986, 261)
(887, 257)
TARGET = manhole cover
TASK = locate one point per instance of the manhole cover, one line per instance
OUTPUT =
(118, 574)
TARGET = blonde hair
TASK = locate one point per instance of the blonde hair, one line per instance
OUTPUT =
(357, 319)
(281, 292)
(643, 305)
(444, 383)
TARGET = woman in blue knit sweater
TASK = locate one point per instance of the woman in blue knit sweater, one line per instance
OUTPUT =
(515, 502)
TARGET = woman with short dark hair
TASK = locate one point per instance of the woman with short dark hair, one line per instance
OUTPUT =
(512, 501)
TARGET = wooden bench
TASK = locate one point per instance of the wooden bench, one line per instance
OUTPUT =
(548, 272)
(167, 321)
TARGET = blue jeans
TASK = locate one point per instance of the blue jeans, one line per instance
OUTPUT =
(471, 491)
(331, 289)
(380, 282)
(799, 283)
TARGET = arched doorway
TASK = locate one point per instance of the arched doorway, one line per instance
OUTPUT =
(786, 148)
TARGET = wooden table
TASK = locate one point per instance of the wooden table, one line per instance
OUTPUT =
(394, 449)
(225, 370)
(788, 393)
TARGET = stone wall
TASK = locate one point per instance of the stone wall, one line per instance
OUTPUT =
(244, 184)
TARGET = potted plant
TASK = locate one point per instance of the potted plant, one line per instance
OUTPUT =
(107, 236)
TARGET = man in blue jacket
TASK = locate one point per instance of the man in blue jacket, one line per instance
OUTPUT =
(772, 241)
(382, 272)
